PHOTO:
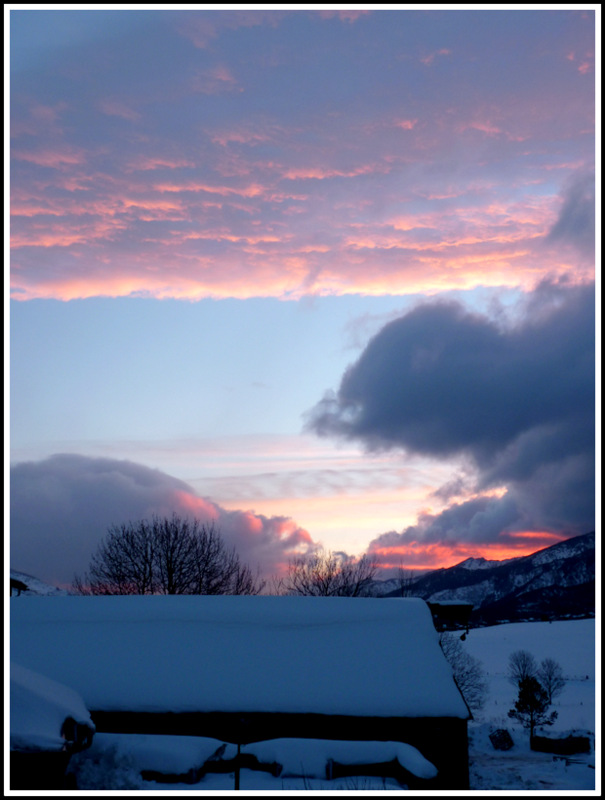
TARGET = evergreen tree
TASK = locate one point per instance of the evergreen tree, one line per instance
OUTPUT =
(531, 705)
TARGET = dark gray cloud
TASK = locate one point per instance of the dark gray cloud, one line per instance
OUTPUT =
(61, 508)
(442, 381)
(576, 221)
(479, 521)
(516, 402)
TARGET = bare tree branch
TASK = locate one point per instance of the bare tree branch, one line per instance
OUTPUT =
(166, 556)
(468, 671)
(327, 574)
(550, 675)
(521, 665)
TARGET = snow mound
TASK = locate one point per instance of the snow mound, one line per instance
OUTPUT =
(38, 708)
(171, 755)
(309, 757)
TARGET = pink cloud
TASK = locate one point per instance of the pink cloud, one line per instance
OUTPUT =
(428, 59)
(57, 234)
(253, 190)
(144, 163)
(32, 210)
(321, 173)
(344, 15)
(225, 236)
(54, 158)
(250, 232)
(250, 134)
(240, 137)
(407, 124)
(39, 119)
(79, 498)
(47, 114)
(201, 30)
(217, 80)
(117, 108)
(251, 265)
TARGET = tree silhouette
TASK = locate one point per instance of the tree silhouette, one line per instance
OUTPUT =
(468, 671)
(550, 676)
(328, 574)
(521, 665)
(531, 705)
(166, 556)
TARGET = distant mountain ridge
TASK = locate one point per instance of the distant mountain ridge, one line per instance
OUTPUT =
(553, 583)
(557, 582)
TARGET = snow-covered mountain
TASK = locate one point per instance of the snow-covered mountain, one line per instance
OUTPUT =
(34, 585)
(552, 583)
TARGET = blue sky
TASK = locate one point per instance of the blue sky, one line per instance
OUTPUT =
(214, 214)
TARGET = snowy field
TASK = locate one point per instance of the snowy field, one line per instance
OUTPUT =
(572, 644)
(115, 762)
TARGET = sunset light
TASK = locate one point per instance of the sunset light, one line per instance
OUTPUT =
(321, 277)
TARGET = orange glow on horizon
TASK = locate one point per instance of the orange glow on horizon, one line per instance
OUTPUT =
(422, 556)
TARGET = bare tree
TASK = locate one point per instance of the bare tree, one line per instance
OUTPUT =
(328, 574)
(405, 581)
(174, 562)
(166, 556)
(123, 563)
(550, 676)
(468, 671)
(521, 665)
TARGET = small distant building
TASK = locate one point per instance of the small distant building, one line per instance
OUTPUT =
(48, 723)
(18, 586)
(451, 615)
(252, 669)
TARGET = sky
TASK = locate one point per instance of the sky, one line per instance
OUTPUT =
(325, 277)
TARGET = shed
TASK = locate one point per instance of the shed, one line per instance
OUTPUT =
(451, 615)
(18, 586)
(245, 669)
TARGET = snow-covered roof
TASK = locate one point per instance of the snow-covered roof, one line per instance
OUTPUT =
(350, 656)
(38, 708)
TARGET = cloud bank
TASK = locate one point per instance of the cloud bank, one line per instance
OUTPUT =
(274, 153)
(514, 403)
(61, 508)
(575, 223)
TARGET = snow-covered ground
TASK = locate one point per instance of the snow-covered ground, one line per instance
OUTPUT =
(572, 644)
(38, 708)
(116, 763)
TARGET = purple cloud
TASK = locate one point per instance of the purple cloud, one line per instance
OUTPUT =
(517, 403)
(61, 508)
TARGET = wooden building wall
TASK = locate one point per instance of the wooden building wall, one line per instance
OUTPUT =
(443, 741)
